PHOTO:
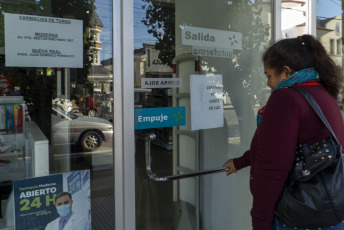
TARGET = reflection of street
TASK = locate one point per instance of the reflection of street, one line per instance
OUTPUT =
(102, 193)
(102, 158)
(232, 122)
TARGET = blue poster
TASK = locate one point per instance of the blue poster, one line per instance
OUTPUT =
(41, 202)
(34, 201)
(159, 117)
(74, 182)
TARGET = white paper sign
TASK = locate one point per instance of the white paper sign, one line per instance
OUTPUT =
(161, 83)
(37, 41)
(197, 36)
(206, 101)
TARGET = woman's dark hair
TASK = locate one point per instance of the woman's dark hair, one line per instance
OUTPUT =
(304, 52)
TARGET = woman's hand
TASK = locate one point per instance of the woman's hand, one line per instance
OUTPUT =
(231, 168)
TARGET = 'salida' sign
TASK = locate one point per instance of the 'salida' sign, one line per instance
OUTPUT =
(197, 36)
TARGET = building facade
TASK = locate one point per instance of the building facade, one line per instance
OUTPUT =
(132, 107)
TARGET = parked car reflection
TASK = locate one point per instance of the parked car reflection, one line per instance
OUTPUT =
(87, 132)
(91, 104)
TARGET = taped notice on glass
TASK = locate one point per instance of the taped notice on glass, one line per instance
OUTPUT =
(37, 41)
(206, 101)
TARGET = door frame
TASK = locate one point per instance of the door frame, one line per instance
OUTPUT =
(123, 79)
(124, 139)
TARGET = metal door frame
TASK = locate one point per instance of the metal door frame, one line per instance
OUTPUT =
(124, 139)
(123, 78)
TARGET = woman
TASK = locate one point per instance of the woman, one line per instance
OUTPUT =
(288, 120)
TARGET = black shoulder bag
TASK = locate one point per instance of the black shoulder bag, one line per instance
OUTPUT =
(313, 196)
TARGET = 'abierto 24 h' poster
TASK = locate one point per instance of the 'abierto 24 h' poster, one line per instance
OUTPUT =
(44, 202)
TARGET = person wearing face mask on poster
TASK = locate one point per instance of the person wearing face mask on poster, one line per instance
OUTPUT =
(67, 220)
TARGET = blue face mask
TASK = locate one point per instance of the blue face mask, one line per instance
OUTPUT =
(63, 210)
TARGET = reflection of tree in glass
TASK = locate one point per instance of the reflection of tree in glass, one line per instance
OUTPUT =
(160, 19)
(243, 76)
(254, 36)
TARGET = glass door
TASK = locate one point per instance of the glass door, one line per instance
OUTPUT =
(199, 81)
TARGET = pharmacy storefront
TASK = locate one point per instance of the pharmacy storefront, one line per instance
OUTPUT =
(119, 114)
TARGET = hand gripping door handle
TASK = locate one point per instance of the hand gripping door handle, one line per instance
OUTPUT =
(153, 176)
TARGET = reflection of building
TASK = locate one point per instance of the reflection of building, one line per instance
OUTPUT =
(148, 65)
(329, 33)
(154, 66)
(295, 16)
(95, 29)
(99, 75)
(139, 66)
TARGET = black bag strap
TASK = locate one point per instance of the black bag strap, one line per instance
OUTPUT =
(312, 102)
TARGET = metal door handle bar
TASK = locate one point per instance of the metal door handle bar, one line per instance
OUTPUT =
(153, 176)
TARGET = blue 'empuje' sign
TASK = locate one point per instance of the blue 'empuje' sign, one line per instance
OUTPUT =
(159, 117)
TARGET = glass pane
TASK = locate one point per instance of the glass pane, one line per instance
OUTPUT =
(329, 32)
(56, 67)
(204, 57)
(294, 18)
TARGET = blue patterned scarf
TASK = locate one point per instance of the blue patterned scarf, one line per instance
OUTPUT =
(298, 77)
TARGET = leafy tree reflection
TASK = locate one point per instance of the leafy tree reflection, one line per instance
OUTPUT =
(160, 20)
(243, 76)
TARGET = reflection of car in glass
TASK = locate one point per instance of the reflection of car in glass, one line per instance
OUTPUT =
(91, 104)
(64, 103)
(108, 116)
(88, 132)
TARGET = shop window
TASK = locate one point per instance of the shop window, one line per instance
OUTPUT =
(56, 111)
